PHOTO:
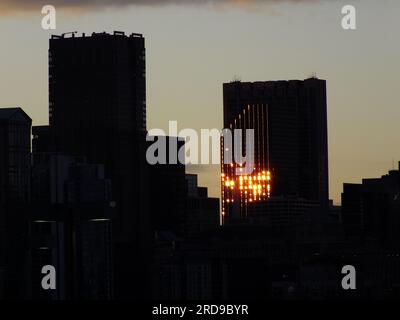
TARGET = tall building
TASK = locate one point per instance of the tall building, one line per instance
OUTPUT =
(15, 171)
(167, 191)
(289, 119)
(97, 109)
(71, 229)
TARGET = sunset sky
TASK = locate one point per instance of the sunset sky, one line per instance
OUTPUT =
(192, 47)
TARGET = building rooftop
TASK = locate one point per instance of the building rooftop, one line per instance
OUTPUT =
(7, 113)
(235, 81)
(73, 34)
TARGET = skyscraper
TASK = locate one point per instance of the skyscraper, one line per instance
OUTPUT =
(97, 109)
(15, 172)
(289, 119)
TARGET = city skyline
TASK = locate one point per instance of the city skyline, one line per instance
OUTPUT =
(98, 202)
(354, 111)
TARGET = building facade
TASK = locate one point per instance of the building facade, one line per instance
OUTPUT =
(97, 109)
(15, 185)
(289, 119)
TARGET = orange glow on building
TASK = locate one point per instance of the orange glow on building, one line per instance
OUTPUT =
(247, 188)
(238, 190)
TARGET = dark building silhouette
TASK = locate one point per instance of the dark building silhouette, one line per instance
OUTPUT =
(182, 267)
(289, 119)
(15, 171)
(97, 109)
(370, 217)
(371, 210)
(251, 262)
(281, 211)
(167, 190)
(71, 229)
(97, 106)
(202, 212)
(41, 140)
(15, 144)
(179, 210)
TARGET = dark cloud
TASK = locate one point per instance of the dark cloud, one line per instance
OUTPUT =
(10, 6)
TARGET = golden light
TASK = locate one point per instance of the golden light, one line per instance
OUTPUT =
(251, 188)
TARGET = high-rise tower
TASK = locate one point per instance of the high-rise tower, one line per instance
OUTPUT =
(97, 109)
(289, 119)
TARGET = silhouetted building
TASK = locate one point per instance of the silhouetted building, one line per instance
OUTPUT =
(15, 145)
(251, 262)
(167, 189)
(351, 212)
(280, 212)
(41, 140)
(371, 210)
(289, 119)
(202, 212)
(97, 109)
(198, 215)
(72, 230)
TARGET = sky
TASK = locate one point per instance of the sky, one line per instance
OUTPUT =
(193, 47)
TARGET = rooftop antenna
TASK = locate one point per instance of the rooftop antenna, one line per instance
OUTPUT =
(71, 32)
